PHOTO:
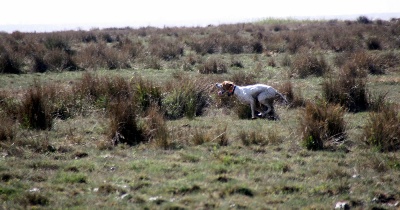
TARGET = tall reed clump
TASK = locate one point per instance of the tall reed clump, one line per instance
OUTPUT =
(382, 129)
(321, 122)
(34, 112)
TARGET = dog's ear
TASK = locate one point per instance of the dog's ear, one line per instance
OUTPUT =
(227, 85)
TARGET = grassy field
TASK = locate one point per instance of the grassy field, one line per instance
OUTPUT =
(134, 126)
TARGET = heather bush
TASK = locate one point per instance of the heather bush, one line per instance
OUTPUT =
(321, 122)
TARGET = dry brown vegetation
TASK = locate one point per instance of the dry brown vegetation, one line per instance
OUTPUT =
(130, 117)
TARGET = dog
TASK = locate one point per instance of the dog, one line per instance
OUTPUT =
(251, 94)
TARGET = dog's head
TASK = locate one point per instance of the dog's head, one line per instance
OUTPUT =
(226, 86)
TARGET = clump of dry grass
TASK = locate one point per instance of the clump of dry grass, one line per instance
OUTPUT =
(252, 138)
(213, 65)
(347, 88)
(7, 128)
(123, 124)
(9, 62)
(306, 64)
(156, 129)
(382, 129)
(322, 122)
(185, 98)
(34, 111)
(295, 99)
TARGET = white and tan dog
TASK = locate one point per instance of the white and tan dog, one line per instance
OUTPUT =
(250, 94)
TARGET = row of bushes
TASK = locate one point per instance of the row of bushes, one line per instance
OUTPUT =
(124, 48)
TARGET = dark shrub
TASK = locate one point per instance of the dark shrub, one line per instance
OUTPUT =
(39, 65)
(363, 20)
(34, 111)
(373, 43)
(257, 47)
(382, 129)
(321, 123)
(9, 63)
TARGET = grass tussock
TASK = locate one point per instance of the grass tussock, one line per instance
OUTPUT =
(348, 88)
(124, 126)
(307, 64)
(249, 138)
(382, 129)
(7, 128)
(322, 123)
(213, 65)
(295, 99)
(188, 99)
(34, 112)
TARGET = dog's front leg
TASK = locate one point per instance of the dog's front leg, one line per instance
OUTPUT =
(252, 106)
